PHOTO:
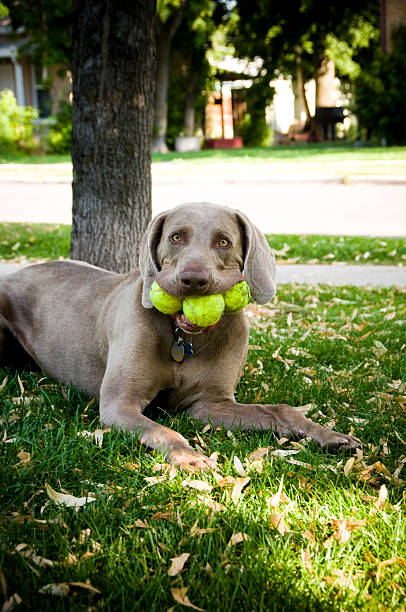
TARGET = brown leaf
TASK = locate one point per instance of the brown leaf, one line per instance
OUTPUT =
(195, 531)
(10, 604)
(278, 497)
(238, 466)
(177, 564)
(84, 585)
(259, 453)
(391, 561)
(60, 589)
(307, 560)
(67, 500)
(240, 483)
(277, 520)
(199, 485)
(24, 458)
(236, 538)
(349, 465)
(181, 598)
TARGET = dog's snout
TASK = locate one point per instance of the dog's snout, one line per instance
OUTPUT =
(195, 279)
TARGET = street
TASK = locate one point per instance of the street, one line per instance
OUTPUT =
(300, 205)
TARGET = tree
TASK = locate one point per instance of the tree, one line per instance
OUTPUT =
(303, 38)
(113, 92)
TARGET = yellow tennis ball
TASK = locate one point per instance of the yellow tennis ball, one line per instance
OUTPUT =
(164, 302)
(203, 311)
(236, 298)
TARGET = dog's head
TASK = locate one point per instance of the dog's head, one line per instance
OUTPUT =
(205, 249)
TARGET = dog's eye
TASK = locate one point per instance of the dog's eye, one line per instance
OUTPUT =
(224, 243)
(176, 238)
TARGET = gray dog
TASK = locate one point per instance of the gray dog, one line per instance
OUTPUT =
(98, 330)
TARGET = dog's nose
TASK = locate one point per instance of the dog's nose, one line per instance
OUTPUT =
(195, 279)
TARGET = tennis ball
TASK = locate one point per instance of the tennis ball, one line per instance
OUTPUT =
(164, 302)
(203, 311)
(236, 298)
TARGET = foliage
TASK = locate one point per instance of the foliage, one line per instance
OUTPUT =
(380, 93)
(47, 26)
(254, 129)
(60, 135)
(309, 531)
(16, 123)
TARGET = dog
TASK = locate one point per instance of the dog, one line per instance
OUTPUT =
(99, 330)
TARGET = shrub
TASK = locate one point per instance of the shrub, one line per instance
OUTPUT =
(16, 124)
(60, 135)
(380, 93)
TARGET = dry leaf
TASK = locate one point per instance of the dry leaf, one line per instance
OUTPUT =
(391, 561)
(181, 598)
(60, 589)
(240, 483)
(20, 384)
(279, 452)
(69, 501)
(199, 485)
(10, 604)
(84, 585)
(380, 502)
(278, 521)
(236, 538)
(238, 466)
(36, 559)
(307, 561)
(24, 458)
(258, 454)
(279, 497)
(349, 465)
(194, 531)
(177, 564)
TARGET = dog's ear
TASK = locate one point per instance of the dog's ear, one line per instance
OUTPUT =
(148, 262)
(259, 261)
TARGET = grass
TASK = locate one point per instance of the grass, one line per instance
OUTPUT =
(333, 543)
(34, 242)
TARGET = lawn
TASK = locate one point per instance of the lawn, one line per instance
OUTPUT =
(340, 159)
(279, 526)
(46, 242)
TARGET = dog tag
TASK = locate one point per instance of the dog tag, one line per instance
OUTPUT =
(188, 348)
(177, 351)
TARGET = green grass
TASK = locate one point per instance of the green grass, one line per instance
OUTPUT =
(44, 241)
(24, 158)
(342, 350)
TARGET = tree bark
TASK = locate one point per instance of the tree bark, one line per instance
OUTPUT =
(165, 33)
(301, 91)
(190, 103)
(114, 59)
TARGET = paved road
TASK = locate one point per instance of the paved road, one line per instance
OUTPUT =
(379, 276)
(278, 205)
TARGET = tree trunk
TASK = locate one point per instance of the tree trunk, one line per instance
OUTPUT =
(165, 33)
(113, 94)
(325, 87)
(190, 102)
(301, 91)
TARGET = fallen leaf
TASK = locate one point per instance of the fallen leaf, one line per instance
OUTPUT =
(238, 466)
(279, 452)
(391, 561)
(177, 564)
(279, 497)
(194, 531)
(349, 465)
(236, 538)
(199, 485)
(240, 483)
(278, 521)
(307, 560)
(60, 589)
(67, 500)
(24, 458)
(14, 601)
(84, 585)
(179, 595)
(259, 453)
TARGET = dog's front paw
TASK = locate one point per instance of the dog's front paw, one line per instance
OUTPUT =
(334, 441)
(190, 460)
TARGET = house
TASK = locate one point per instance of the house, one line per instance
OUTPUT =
(25, 79)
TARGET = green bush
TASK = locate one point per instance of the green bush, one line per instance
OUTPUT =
(253, 129)
(16, 124)
(380, 93)
(60, 135)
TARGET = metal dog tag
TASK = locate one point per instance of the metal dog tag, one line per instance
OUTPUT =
(188, 348)
(177, 351)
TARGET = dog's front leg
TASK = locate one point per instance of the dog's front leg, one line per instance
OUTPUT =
(123, 409)
(281, 418)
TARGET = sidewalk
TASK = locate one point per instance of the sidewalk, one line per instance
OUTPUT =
(360, 276)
